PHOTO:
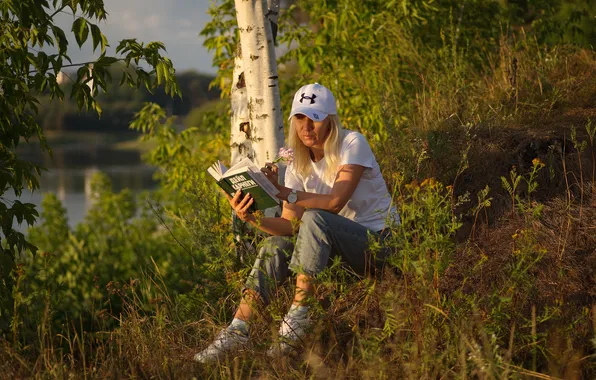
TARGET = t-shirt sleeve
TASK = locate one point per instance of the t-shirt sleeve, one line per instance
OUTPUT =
(292, 180)
(356, 151)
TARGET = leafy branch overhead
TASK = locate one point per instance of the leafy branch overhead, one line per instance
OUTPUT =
(33, 53)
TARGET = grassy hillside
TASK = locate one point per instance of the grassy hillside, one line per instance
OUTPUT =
(507, 289)
(487, 145)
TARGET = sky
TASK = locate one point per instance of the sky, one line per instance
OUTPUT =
(176, 23)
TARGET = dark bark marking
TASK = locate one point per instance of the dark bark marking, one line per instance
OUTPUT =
(242, 147)
(245, 127)
(241, 81)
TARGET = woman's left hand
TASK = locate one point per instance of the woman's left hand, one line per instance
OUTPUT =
(271, 172)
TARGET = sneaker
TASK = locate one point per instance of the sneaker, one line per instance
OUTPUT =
(291, 332)
(227, 341)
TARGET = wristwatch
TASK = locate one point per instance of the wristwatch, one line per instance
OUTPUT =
(293, 196)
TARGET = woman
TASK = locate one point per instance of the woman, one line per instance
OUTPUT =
(335, 189)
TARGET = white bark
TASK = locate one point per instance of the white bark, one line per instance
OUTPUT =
(260, 73)
(257, 125)
(240, 143)
(90, 83)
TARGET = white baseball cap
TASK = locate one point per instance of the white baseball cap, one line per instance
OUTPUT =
(315, 101)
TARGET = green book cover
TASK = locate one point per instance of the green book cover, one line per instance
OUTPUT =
(247, 177)
(247, 184)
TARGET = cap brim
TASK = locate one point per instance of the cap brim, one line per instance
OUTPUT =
(313, 115)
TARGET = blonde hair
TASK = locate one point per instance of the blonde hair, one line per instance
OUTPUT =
(332, 147)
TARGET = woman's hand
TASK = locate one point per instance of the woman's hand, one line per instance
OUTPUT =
(271, 172)
(241, 205)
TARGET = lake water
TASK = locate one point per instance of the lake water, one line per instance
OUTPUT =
(71, 169)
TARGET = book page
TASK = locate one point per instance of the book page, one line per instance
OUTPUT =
(240, 167)
(217, 170)
(260, 178)
(222, 167)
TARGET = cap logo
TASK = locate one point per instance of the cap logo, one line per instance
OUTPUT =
(311, 98)
(315, 116)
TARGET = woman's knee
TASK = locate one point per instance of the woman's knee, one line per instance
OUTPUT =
(274, 246)
(315, 218)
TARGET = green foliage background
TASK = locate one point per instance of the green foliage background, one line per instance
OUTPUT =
(27, 71)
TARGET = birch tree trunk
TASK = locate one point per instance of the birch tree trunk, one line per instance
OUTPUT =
(240, 144)
(263, 135)
(257, 126)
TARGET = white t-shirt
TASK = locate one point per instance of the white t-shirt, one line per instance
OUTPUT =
(370, 205)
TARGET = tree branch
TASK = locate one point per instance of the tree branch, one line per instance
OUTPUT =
(76, 65)
(55, 13)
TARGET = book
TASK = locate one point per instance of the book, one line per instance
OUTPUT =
(246, 176)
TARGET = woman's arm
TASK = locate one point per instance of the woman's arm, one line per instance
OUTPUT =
(285, 225)
(344, 186)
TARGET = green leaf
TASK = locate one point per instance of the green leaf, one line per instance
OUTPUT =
(106, 61)
(56, 64)
(96, 36)
(80, 29)
(161, 72)
(506, 185)
(42, 87)
(104, 43)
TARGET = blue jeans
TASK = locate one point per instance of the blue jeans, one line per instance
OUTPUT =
(322, 236)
